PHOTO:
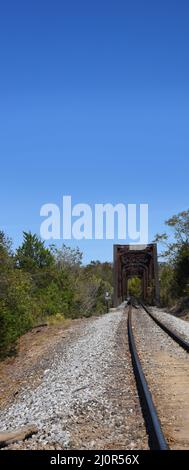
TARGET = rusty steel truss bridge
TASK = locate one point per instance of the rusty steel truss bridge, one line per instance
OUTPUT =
(136, 261)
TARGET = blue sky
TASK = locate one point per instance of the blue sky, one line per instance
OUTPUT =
(94, 103)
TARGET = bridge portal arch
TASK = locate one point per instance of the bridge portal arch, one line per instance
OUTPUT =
(135, 260)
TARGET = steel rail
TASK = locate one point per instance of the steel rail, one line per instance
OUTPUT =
(184, 344)
(157, 440)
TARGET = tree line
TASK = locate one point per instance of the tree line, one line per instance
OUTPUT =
(174, 265)
(39, 283)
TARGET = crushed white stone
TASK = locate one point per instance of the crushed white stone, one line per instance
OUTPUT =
(176, 324)
(78, 375)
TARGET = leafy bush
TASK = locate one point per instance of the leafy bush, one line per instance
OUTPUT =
(174, 274)
(38, 283)
(135, 287)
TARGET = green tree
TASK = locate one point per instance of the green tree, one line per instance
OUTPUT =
(38, 282)
(32, 254)
(134, 287)
(5, 250)
(175, 275)
(102, 270)
(179, 236)
(67, 256)
(181, 270)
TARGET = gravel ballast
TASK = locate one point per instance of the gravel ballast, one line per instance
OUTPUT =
(181, 327)
(166, 367)
(87, 398)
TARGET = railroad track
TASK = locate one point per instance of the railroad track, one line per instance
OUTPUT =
(179, 340)
(157, 437)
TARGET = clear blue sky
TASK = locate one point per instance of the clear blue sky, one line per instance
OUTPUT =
(94, 102)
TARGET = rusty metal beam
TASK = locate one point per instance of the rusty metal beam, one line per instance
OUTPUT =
(135, 261)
